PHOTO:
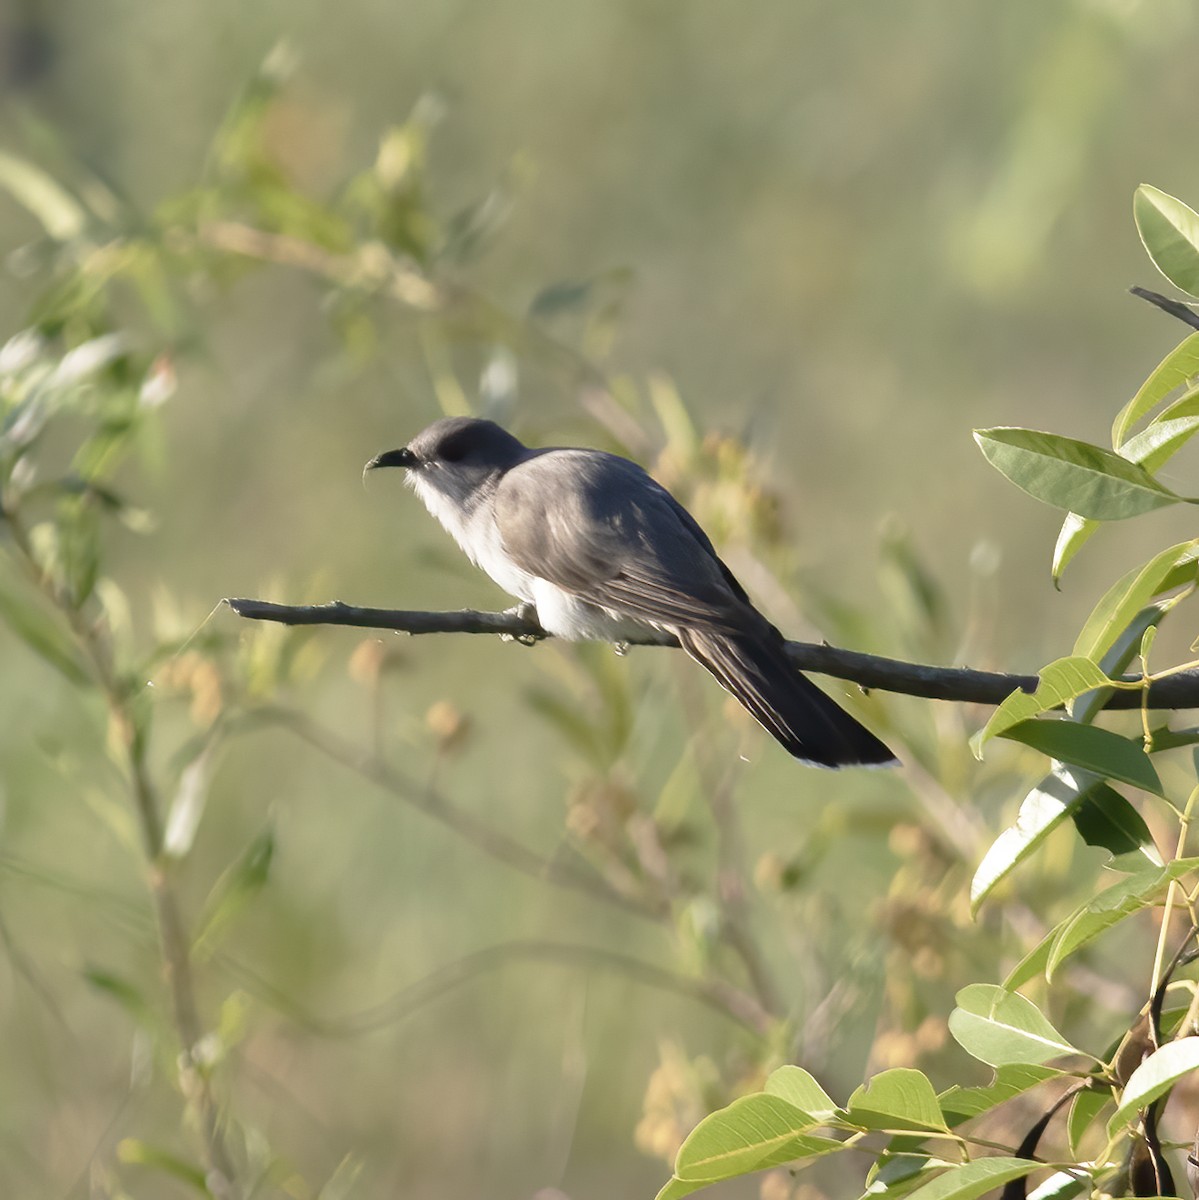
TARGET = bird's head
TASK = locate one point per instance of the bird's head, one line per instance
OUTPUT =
(458, 458)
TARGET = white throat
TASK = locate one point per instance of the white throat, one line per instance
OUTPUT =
(472, 525)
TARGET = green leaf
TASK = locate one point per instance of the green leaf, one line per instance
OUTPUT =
(1077, 476)
(134, 1150)
(1152, 448)
(61, 215)
(41, 634)
(342, 1184)
(682, 437)
(1075, 532)
(1087, 1105)
(1116, 660)
(1045, 807)
(1107, 819)
(799, 1088)
(1154, 1077)
(897, 1174)
(1109, 908)
(1097, 750)
(901, 1098)
(752, 1133)
(188, 803)
(1031, 965)
(998, 1027)
(1179, 366)
(234, 890)
(1186, 405)
(1169, 230)
(974, 1179)
(964, 1103)
(1164, 738)
(1061, 1185)
(560, 297)
(1174, 567)
(1058, 683)
(126, 994)
(1064, 792)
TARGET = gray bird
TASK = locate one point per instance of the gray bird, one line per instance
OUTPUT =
(604, 552)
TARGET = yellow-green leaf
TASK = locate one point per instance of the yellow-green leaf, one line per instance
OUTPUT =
(1058, 683)
(1076, 476)
(974, 1179)
(901, 1098)
(1181, 364)
(1171, 568)
(1155, 1076)
(998, 1027)
(751, 1133)
(1099, 751)
(1169, 230)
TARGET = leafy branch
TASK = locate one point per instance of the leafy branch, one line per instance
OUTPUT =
(129, 729)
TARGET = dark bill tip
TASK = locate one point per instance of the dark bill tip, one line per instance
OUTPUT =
(402, 457)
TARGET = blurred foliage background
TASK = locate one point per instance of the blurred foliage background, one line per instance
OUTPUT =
(788, 256)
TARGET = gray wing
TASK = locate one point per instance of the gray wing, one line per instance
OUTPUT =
(598, 526)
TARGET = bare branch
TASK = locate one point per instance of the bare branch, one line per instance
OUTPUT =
(870, 671)
(488, 838)
(716, 994)
(466, 620)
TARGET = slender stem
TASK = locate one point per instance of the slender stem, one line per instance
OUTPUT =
(1191, 1017)
(731, 875)
(716, 994)
(172, 932)
(488, 838)
(1184, 824)
(742, 1006)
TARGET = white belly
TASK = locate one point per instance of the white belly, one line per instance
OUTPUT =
(566, 616)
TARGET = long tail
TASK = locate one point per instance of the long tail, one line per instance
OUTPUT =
(792, 709)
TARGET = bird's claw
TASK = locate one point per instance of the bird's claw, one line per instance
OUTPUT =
(526, 613)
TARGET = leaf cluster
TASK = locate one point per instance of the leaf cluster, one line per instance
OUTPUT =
(922, 1142)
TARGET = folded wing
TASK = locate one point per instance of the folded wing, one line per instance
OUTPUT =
(598, 527)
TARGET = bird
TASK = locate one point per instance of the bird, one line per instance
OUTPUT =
(603, 551)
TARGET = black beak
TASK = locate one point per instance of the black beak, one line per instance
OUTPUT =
(402, 457)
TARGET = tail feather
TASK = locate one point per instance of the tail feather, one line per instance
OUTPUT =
(792, 709)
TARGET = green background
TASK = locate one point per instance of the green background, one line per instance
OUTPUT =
(852, 233)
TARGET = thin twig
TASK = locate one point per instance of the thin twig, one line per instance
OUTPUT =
(870, 671)
(716, 994)
(374, 269)
(493, 841)
(731, 874)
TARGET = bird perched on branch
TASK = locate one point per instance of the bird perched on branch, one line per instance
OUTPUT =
(604, 552)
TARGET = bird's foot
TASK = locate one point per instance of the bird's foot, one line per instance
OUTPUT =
(527, 613)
